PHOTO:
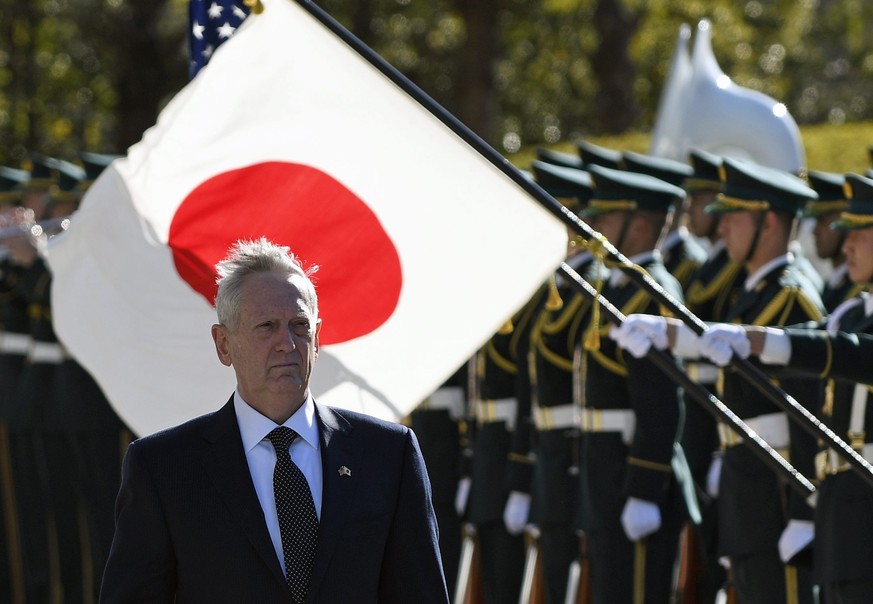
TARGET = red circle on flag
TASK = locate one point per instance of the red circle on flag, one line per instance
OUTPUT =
(323, 222)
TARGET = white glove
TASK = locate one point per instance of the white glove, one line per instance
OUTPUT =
(713, 475)
(795, 536)
(721, 341)
(640, 332)
(640, 518)
(461, 495)
(516, 511)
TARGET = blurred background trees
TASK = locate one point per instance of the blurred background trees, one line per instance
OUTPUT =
(93, 74)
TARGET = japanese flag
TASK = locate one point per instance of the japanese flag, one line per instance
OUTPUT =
(425, 246)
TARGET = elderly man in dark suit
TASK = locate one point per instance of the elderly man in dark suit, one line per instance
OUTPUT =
(214, 510)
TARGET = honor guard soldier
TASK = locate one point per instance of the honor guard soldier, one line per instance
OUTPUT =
(25, 418)
(712, 289)
(635, 490)
(440, 423)
(87, 437)
(500, 472)
(843, 555)
(765, 529)
(13, 347)
(825, 210)
(681, 254)
(558, 158)
(554, 358)
(39, 385)
(595, 155)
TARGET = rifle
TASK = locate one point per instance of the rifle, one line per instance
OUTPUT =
(468, 589)
(688, 584)
(578, 579)
(532, 581)
(10, 520)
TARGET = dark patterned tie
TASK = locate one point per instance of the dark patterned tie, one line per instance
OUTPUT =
(298, 522)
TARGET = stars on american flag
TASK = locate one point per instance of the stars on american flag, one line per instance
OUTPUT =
(212, 23)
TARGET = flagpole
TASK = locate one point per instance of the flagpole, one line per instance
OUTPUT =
(700, 394)
(752, 374)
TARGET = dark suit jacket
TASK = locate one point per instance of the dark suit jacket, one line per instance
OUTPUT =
(189, 527)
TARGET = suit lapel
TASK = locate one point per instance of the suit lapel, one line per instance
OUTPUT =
(225, 463)
(340, 455)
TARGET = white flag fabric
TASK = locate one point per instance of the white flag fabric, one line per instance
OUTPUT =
(425, 247)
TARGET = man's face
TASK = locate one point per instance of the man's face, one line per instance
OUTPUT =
(737, 229)
(610, 226)
(274, 347)
(699, 221)
(859, 255)
(827, 240)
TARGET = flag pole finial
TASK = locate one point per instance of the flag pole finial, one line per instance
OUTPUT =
(256, 6)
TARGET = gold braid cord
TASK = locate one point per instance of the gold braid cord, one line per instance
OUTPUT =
(595, 245)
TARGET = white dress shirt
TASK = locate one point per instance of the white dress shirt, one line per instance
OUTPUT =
(261, 457)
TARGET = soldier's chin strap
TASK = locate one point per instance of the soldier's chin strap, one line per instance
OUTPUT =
(712, 231)
(840, 242)
(625, 227)
(759, 225)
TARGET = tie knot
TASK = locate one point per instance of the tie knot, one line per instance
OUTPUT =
(282, 437)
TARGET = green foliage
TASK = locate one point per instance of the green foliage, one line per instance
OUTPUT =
(93, 74)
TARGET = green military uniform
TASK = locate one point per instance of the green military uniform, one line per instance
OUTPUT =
(838, 287)
(843, 524)
(754, 506)
(710, 291)
(25, 413)
(37, 391)
(498, 465)
(85, 440)
(439, 423)
(631, 423)
(13, 347)
(681, 254)
(554, 354)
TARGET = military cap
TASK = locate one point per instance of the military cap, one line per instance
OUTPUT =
(558, 158)
(831, 189)
(704, 172)
(70, 178)
(668, 170)
(595, 155)
(560, 181)
(868, 173)
(859, 190)
(623, 191)
(43, 171)
(751, 187)
(12, 181)
(94, 164)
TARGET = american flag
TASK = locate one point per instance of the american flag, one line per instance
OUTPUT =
(212, 23)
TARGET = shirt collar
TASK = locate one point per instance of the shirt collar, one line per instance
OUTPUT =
(716, 248)
(254, 427)
(838, 274)
(617, 278)
(674, 238)
(766, 269)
